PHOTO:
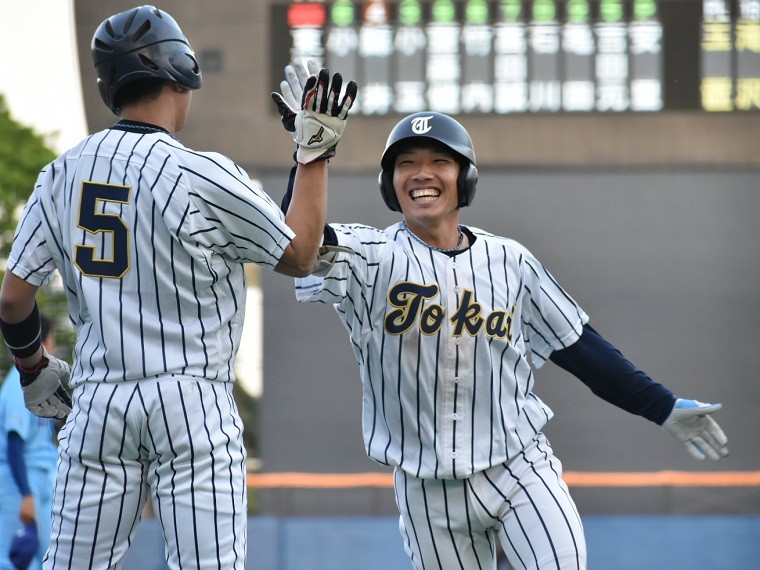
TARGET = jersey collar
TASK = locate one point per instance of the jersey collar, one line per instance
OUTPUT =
(139, 127)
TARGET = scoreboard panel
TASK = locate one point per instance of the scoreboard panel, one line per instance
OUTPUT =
(530, 56)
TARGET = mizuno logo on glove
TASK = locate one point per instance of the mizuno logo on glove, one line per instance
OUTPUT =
(316, 138)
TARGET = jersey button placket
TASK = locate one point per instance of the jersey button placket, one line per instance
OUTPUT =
(451, 388)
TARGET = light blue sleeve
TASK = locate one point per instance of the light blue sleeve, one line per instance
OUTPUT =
(15, 416)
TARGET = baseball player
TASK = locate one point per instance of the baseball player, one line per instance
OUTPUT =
(445, 321)
(28, 454)
(150, 238)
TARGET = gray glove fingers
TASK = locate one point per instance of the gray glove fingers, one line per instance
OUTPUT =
(707, 440)
(348, 100)
(715, 438)
(63, 396)
(695, 450)
(302, 71)
(291, 88)
(44, 410)
(706, 449)
(52, 408)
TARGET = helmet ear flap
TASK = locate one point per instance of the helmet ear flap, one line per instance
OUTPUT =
(466, 184)
(385, 181)
(102, 89)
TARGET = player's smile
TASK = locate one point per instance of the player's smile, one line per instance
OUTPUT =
(424, 194)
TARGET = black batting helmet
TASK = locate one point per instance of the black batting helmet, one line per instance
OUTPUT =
(429, 125)
(141, 43)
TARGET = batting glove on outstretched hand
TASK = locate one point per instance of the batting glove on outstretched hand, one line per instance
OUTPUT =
(296, 74)
(44, 394)
(690, 423)
(312, 110)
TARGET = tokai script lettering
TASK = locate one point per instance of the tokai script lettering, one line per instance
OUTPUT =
(413, 304)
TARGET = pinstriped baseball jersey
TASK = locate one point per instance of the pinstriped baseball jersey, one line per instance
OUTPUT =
(443, 342)
(118, 206)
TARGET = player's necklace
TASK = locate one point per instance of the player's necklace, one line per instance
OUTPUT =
(442, 250)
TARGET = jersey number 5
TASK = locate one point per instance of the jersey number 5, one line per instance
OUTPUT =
(96, 222)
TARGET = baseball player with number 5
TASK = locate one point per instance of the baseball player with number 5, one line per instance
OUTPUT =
(445, 320)
(150, 238)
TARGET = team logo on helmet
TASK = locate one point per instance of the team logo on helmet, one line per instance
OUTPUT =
(421, 125)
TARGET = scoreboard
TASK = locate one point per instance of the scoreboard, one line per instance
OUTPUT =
(530, 56)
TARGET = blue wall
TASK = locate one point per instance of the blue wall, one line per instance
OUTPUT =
(374, 543)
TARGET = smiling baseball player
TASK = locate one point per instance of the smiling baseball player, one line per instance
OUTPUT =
(448, 324)
(150, 238)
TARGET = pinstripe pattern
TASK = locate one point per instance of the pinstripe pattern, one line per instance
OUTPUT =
(151, 430)
(443, 343)
(454, 524)
(150, 238)
(196, 215)
(446, 346)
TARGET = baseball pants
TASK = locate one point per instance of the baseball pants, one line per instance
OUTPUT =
(524, 504)
(177, 440)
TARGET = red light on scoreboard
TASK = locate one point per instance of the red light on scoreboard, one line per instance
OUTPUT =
(306, 15)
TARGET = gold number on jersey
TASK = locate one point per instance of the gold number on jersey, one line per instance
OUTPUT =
(94, 194)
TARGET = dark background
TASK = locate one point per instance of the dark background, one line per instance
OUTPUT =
(666, 263)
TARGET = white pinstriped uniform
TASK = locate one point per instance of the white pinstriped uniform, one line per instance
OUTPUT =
(442, 343)
(149, 238)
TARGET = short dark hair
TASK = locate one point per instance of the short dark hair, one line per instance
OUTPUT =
(133, 92)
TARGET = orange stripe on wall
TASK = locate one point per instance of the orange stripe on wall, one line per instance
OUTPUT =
(664, 479)
(320, 480)
(573, 479)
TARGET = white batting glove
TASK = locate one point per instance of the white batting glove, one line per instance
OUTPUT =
(690, 424)
(296, 74)
(44, 394)
(318, 121)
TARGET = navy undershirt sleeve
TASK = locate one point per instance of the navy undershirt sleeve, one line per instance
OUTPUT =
(609, 375)
(17, 464)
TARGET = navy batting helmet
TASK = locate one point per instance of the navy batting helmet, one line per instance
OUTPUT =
(429, 125)
(141, 43)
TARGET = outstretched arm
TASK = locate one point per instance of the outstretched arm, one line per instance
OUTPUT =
(608, 374)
